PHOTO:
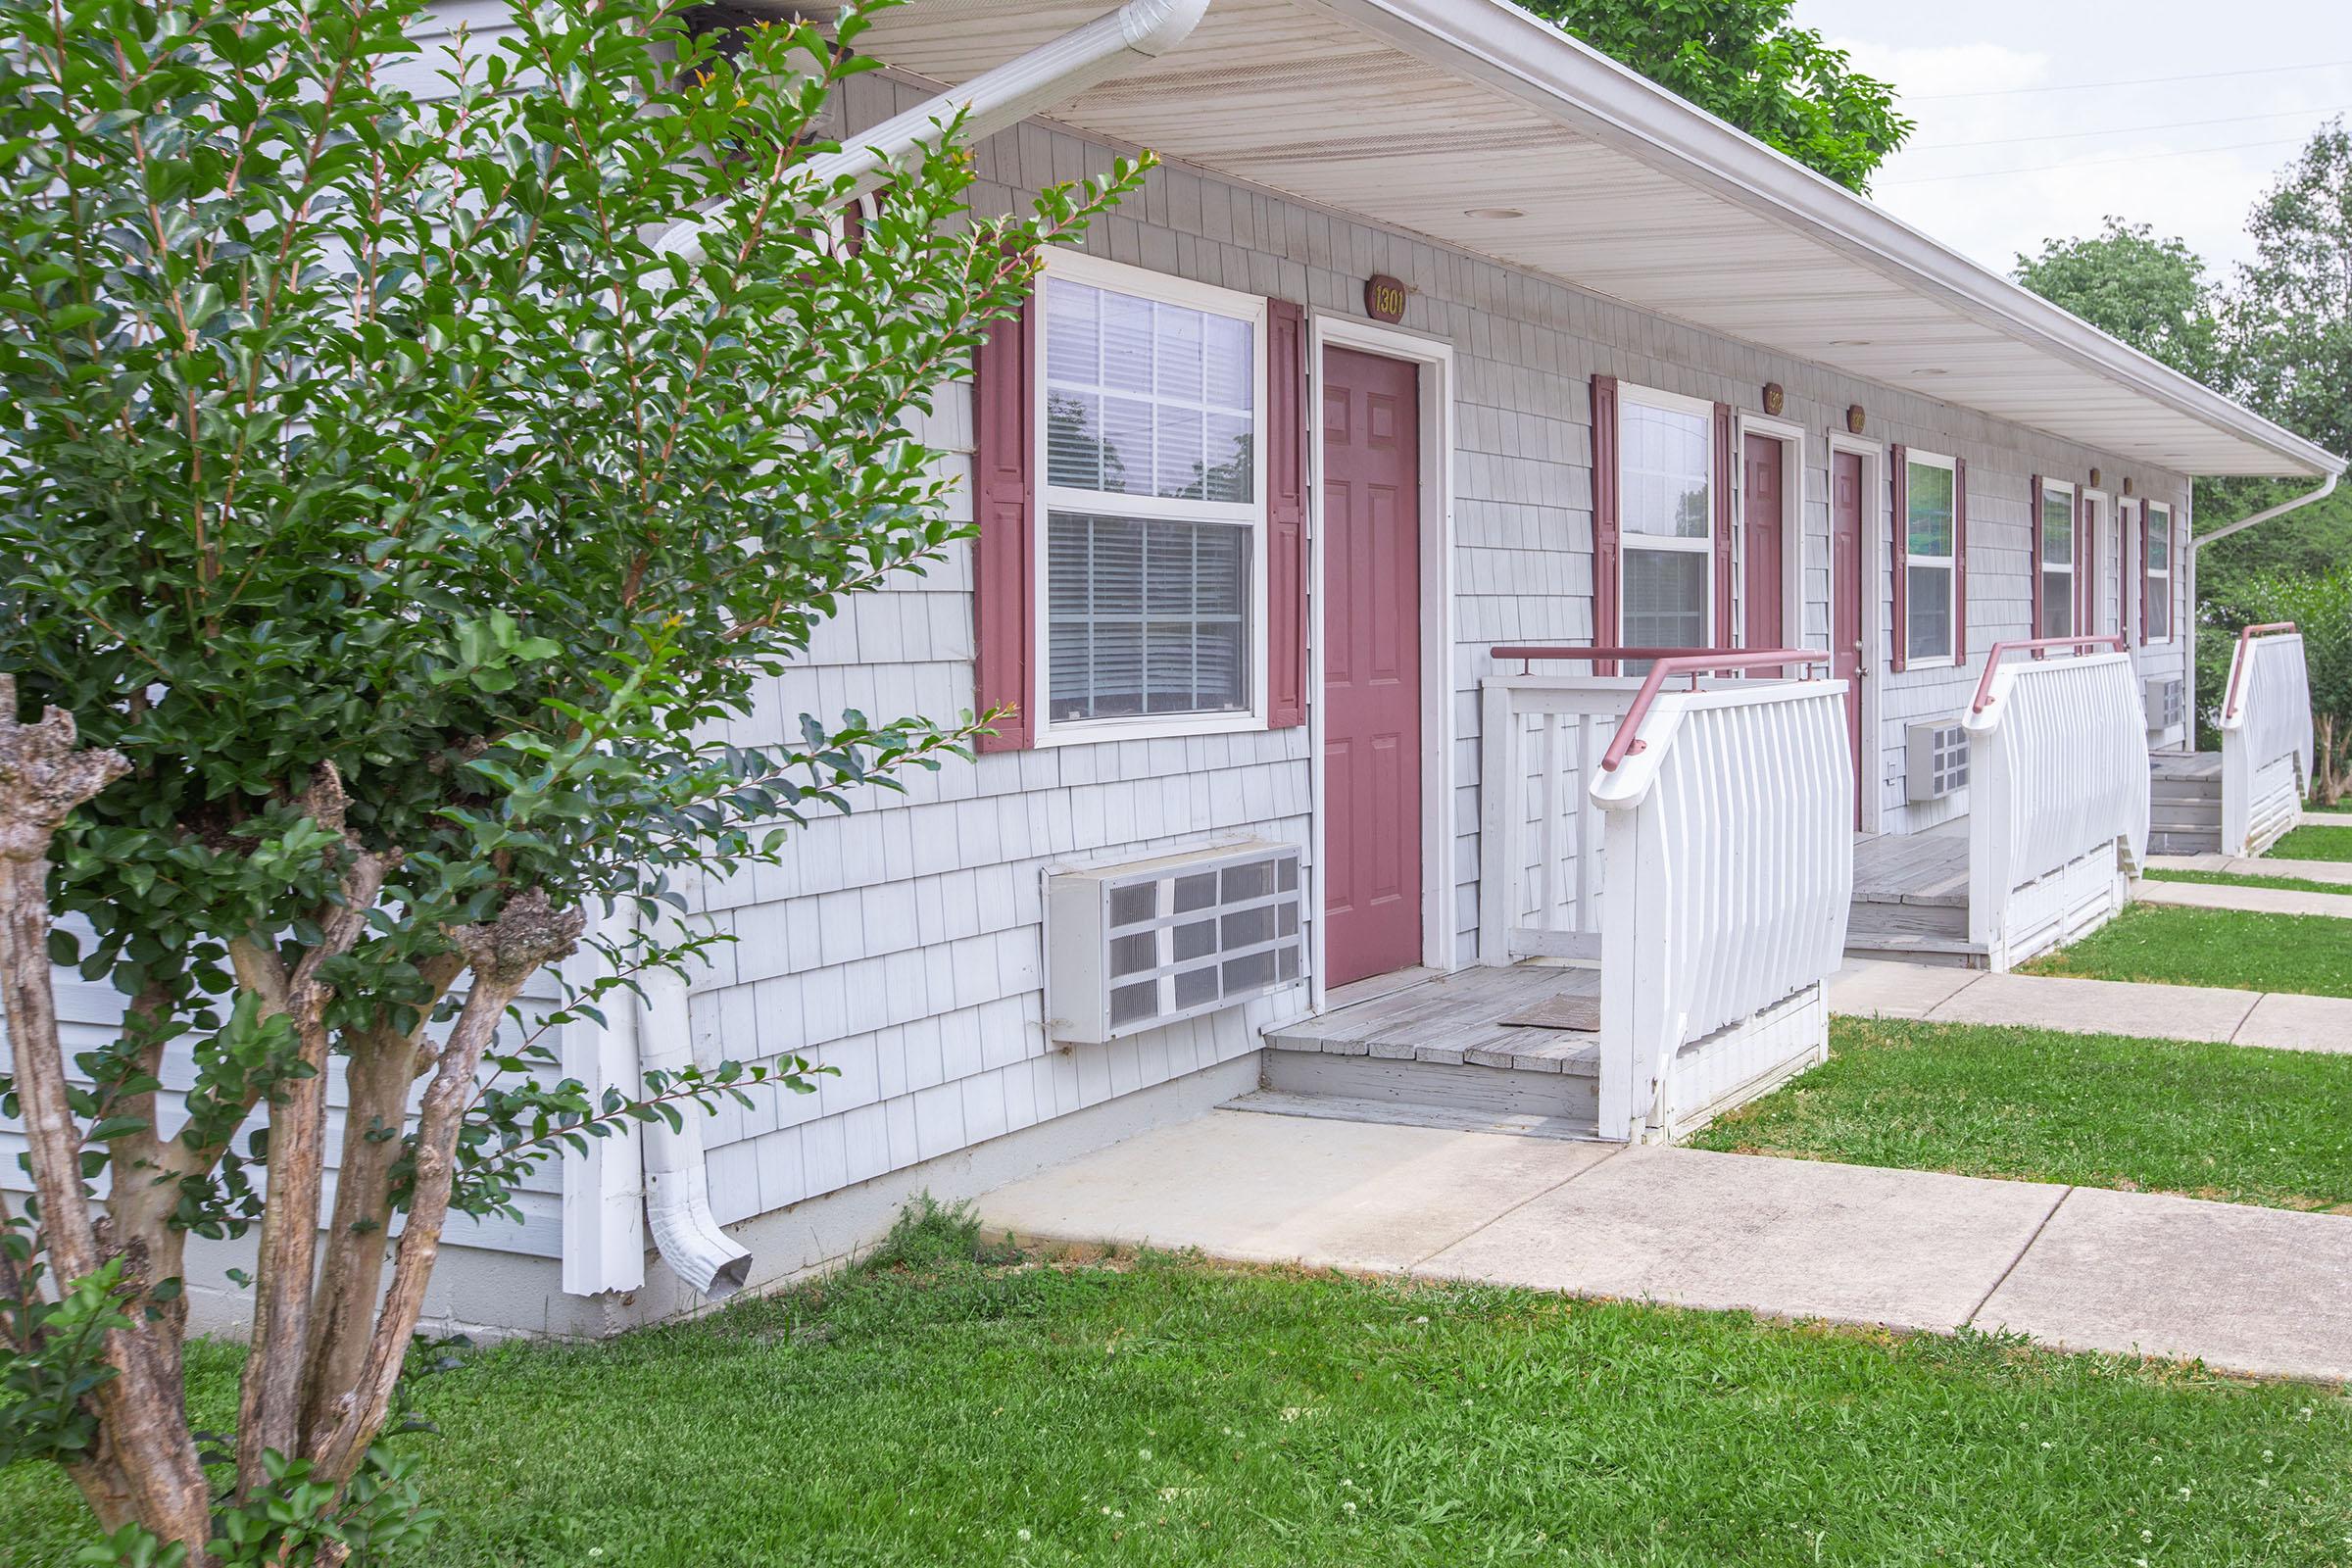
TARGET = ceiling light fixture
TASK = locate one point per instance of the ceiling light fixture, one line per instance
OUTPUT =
(1493, 212)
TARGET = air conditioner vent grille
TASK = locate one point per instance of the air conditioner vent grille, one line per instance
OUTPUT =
(1937, 764)
(2167, 700)
(1136, 947)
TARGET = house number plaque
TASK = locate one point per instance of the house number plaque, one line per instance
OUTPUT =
(1384, 298)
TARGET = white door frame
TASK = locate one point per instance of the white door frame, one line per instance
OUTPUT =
(1791, 438)
(2101, 506)
(1435, 360)
(1878, 600)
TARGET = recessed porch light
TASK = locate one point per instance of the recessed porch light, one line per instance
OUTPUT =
(1932, 370)
(1493, 212)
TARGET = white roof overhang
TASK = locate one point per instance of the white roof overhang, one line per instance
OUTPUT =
(1418, 113)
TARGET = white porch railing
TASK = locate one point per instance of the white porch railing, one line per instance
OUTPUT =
(2266, 738)
(1717, 901)
(2058, 795)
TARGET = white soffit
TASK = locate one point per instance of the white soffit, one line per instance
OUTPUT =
(1413, 113)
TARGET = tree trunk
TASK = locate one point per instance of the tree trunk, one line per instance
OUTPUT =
(144, 1465)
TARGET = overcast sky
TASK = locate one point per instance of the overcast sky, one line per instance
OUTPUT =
(2189, 156)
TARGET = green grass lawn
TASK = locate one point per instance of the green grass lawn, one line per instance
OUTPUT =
(2231, 879)
(2233, 947)
(948, 1412)
(2233, 1122)
(2313, 842)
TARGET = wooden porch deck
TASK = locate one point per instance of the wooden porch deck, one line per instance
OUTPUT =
(1911, 896)
(1444, 1051)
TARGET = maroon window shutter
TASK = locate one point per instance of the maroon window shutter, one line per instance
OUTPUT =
(1286, 514)
(1960, 560)
(1004, 495)
(2033, 556)
(1898, 464)
(1605, 518)
(1725, 457)
(2144, 514)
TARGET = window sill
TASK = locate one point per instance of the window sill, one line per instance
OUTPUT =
(1175, 726)
(1914, 667)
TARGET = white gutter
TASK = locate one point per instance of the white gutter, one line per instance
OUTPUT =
(678, 1184)
(1027, 85)
(1541, 67)
(2196, 546)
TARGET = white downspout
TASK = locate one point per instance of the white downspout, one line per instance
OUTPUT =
(1053, 73)
(678, 1185)
(2196, 545)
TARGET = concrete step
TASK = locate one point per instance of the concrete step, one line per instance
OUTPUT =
(2190, 841)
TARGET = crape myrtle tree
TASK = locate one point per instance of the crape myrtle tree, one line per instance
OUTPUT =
(389, 531)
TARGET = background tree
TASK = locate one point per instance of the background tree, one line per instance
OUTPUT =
(402, 533)
(2149, 292)
(1744, 61)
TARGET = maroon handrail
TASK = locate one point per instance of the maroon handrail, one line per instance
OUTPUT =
(1669, 662)
(2237, 665)
(2037, 646)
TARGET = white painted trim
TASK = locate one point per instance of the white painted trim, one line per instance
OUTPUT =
(1630, 540)
(1541, 67)
(1877, 504)
(2037, 592)
(2105, 514)
(1793, 455)
(1143, 284)
(1950, 660)
(1436, 360)
(2172, 553)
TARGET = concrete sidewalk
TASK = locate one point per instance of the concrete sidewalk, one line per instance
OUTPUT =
(1892, 988)
(2324, 819)
(2340, 871)
(2261, 901)
(2246, 1290)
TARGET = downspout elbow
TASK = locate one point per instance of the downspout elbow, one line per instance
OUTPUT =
(678, 1184)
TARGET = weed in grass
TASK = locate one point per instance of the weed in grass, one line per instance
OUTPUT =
(2234, 948)
(2217, 1121)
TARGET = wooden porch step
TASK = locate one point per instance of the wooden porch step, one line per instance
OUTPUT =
(1920, 947)
(2173, 765)
(1387, 1113)
(1437, 1051)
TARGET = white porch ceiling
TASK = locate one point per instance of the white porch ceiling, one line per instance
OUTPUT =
(1412, 112)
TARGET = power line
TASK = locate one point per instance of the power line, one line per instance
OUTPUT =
(2137, 82)
(2122, 130)
(2103, 163)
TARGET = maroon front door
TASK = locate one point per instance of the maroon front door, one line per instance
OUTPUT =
(1761, 503)
(1845, 599)
(1371, 666)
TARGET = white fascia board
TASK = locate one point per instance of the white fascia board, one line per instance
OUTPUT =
(1540, 66)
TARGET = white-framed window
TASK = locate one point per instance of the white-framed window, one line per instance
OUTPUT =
(1666, 519)
(1930, 565)
(2055, 518)
(2160, 573)
(1152, 542)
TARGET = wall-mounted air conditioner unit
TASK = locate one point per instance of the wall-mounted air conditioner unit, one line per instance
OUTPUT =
(2167, 701)
(1936, 761)
(1130, 947)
